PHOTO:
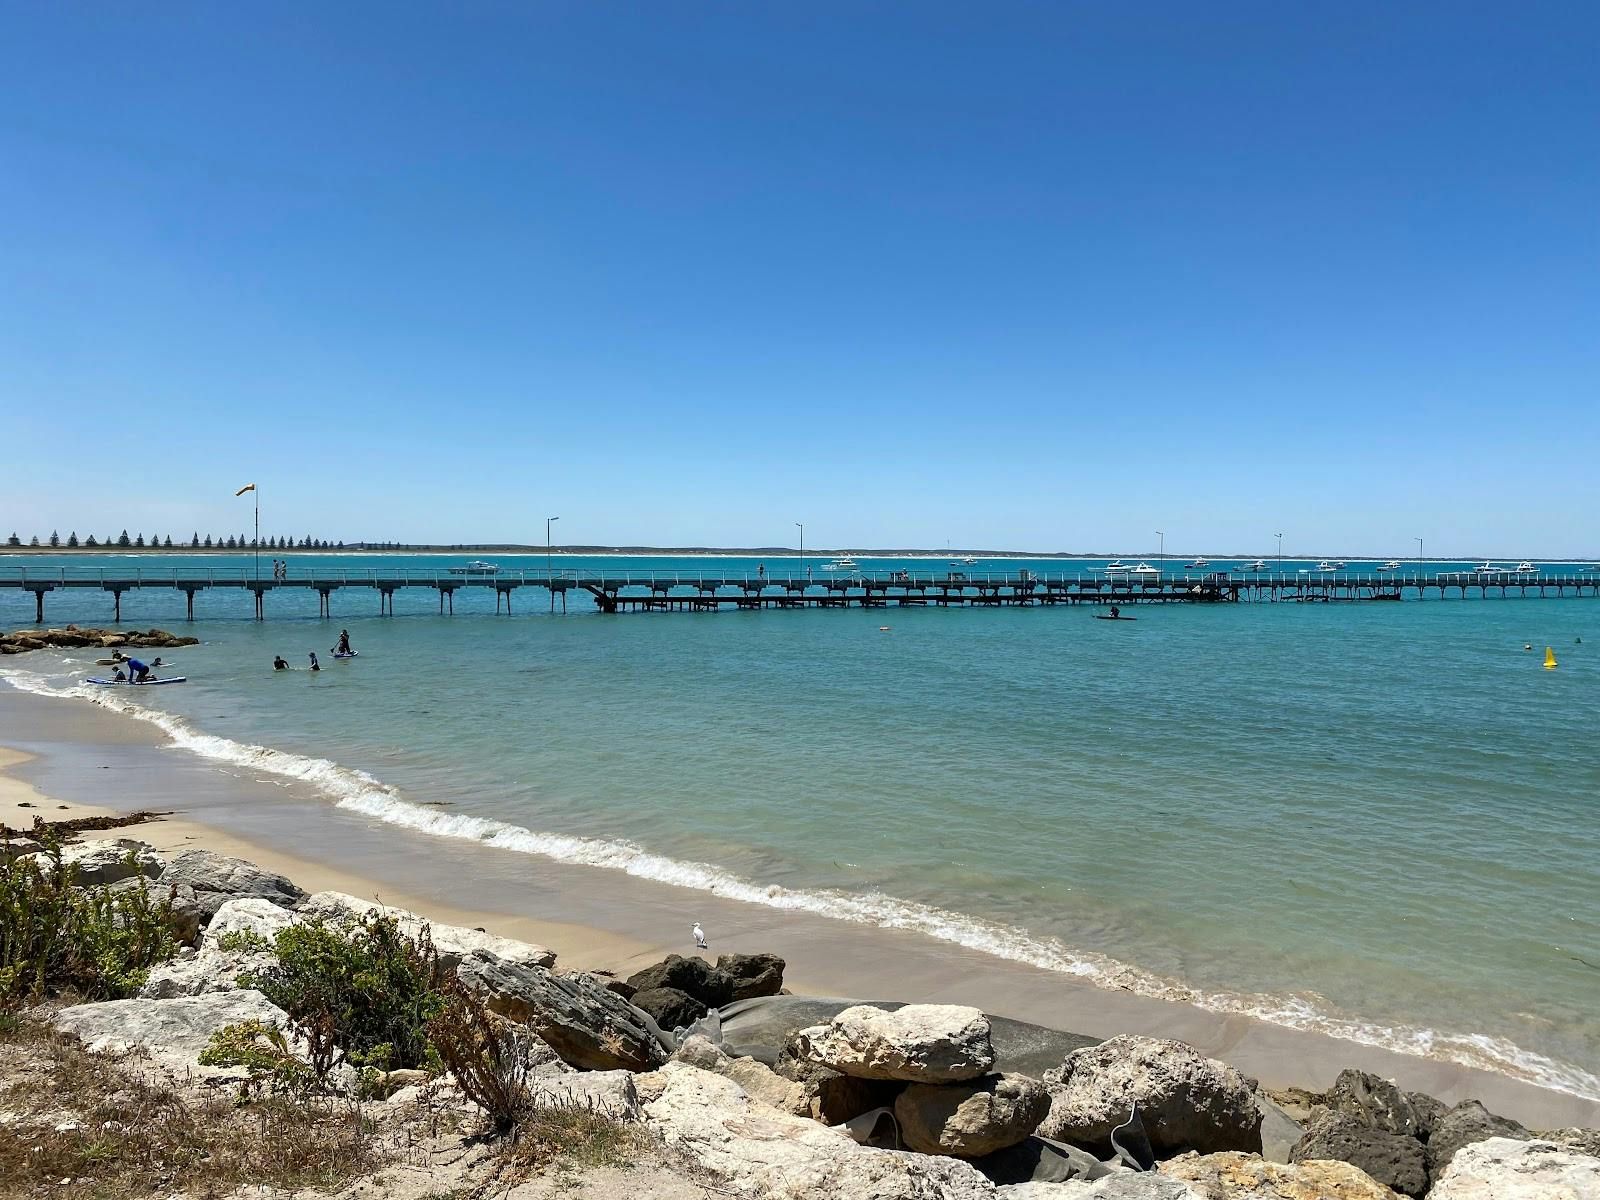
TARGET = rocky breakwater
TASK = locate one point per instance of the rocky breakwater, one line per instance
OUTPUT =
(919, 1102)
(74, 637)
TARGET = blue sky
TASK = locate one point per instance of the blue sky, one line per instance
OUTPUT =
(1044, 275)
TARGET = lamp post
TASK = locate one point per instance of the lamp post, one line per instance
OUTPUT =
(801, 526)
(1420, 559)
(1161, 555)
(1280, 554)
(549, 572)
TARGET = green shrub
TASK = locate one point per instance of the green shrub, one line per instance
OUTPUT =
(55, 935)
(264, 1051)
(359, 990)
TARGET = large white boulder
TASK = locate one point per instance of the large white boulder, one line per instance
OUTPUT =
(1508, 1169)
(110, 860)
(1128, 1186)
(176, 1030)
(250, 915)
(764, 1154)
(203, 973)
(453, 942)
(920, 1043)
(1186, 1100)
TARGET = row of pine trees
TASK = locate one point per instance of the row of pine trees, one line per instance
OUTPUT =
(196, 542)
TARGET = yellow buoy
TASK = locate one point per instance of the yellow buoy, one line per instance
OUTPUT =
(1549, 659)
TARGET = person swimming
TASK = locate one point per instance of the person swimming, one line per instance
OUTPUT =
(280, 663)
(315, 665)
(344, 643)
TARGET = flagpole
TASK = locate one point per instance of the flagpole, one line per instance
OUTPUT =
(258, 535)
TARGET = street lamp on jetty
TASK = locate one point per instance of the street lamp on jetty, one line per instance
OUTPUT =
(1280, 554)
(549, 573)
(801, 526)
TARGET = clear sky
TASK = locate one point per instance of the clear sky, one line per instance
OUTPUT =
(1045, 275)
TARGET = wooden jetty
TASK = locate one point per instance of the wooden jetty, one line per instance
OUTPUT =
(687, 591)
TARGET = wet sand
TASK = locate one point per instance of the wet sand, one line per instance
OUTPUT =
(76, 755)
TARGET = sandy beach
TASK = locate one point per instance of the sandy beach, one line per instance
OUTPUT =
(67, 758)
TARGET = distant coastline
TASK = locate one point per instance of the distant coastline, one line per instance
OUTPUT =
(731, 552)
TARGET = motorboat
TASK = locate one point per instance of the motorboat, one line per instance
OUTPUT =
(1392, 565)
(1489, 568)
(1257, 566)
(1322, 568)
(1527, 568)
(1115, 565)
(1339, 565)
(477, 567)
(1144, 568)
(970, 559)
(845, 563)
(1197, 564)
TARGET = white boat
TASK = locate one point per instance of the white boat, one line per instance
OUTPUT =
(1197, 564)
(1322, 568)
(841, 564)
(1144, 568)
(1392, 565)
(1339, 565)
(970, 559)
(477, 567)
(1527, 568)
(1489, 568)
(1116, 564)
(1259, 565)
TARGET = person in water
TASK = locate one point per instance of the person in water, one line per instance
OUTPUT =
(280, 663)
(139, 672)
(118, 676)
(315, 665)
(344, 643)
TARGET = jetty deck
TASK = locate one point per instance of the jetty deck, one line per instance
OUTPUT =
(690, 591)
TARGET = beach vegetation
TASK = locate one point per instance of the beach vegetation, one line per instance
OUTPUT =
(56, 936)
(134, 1133)
(123, 540)
(359, 991)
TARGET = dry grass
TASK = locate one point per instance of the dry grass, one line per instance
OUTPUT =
(117, 1132)
(576, 1136)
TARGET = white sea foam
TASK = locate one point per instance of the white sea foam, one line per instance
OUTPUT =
(358, 791)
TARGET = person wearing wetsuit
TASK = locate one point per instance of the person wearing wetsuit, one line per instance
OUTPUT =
(138, 672)
(344, 643)
(315, 665)
(280, 663)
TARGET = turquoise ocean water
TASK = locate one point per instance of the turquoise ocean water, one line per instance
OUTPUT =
(1376, 820)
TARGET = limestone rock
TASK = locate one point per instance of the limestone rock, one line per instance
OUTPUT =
(969, 1120)
(217, 878)
(452, 942)
(204, 973)
(759, 1081)
(1585, 1141)
(177, 1029)
(110, 860)
(247, 915)
(668, 1007)
(920, 1043)
(1394, 1159)
(1510, 1169)
(589, 1027)
(692, 976)
(1232, 1175)
(1129, 1186)
(15, 846)
(1466, 1123)
(763, 1154)
(1376, 1103)
(753, 974)
(608, 1092)
(828, 1095)
(1187, 1101)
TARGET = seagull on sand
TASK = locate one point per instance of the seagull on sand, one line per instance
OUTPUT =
(699, 937)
